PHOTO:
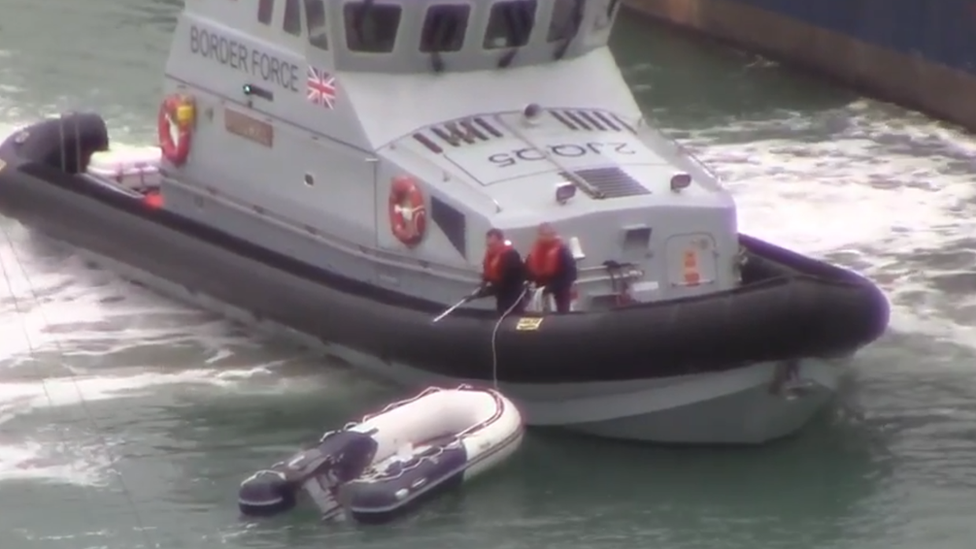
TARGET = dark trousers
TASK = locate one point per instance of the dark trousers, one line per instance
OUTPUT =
(510, 300)
(563, 298)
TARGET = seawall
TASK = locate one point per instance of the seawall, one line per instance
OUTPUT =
(916, 53)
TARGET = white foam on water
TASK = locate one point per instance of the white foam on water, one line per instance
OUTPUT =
(62, 311)
(76, 390)
(57, 311)
(68, 459)
(866, 191)
(33, 460)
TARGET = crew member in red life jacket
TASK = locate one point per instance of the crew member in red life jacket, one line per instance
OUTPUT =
(503, 274)
(551, 266)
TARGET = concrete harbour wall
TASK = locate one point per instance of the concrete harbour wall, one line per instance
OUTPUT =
(917, 53)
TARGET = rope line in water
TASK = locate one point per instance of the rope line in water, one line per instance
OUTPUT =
(494, 337)
(127, 494)
(60, 429)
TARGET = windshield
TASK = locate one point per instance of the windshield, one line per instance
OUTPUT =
(510, 24)
(444, 28)
(371, 27)
(564, 25)
(567, 16)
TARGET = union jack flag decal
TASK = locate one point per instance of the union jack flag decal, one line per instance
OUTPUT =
(321, 88)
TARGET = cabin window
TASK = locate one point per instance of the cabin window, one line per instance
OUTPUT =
(444, 28)
(371, 27)
(510, 24)
(265, 11)
(315, 19)
(566, 18)
(293, 18)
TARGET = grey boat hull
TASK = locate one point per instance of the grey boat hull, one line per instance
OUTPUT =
(720, 348)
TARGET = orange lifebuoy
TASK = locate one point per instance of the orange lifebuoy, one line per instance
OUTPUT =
(177, 115)
(408, 213)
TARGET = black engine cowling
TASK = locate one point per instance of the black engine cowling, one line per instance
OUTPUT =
(339, 457)
(267, 493)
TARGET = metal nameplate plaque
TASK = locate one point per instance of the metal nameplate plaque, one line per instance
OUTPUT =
(249, 128)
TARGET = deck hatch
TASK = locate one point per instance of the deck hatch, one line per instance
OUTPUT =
(611, 181)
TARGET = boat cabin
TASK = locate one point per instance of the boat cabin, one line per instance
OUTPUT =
(381, 139)
(399, 36)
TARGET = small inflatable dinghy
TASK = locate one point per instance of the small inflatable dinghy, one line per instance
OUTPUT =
(389, 462)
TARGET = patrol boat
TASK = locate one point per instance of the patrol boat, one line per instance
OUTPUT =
(333, 167)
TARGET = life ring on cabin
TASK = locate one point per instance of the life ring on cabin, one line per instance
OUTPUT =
(177, 115)
(408, 213)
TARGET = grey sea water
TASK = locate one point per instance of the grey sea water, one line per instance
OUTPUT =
(127, 420)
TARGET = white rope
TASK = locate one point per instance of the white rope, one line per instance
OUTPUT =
(494, 337)
(140, 524)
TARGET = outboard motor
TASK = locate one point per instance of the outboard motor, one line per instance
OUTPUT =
(352, 453)
(339, 457)
(65, 143)
(266, 493)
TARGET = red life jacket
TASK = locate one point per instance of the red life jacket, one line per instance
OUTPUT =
(491, 268)
(543, 261)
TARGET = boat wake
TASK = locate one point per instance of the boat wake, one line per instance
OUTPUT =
(886, 193)
(75, 337)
